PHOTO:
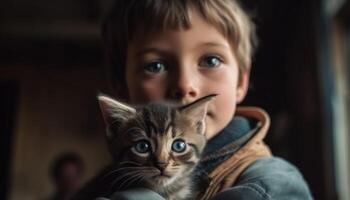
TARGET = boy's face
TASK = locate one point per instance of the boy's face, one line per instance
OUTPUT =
(184, 65)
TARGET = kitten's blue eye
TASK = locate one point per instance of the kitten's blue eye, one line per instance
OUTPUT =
(155, 68)
(210, 62)
(178, 146)
(142, 146)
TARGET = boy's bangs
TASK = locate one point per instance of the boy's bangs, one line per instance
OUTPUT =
(153, 15)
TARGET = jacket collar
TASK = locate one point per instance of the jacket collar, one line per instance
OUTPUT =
(248, 123)
(223, 171)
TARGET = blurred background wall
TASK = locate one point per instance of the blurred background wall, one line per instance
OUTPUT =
(51, 60)
(55, 112)
(50, 73)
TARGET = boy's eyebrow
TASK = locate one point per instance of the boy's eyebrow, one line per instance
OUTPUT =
(150, 50)
(163, 51)
(215, 44)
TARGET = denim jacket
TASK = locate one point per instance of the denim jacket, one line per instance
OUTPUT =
(253, 173)
(263, 178)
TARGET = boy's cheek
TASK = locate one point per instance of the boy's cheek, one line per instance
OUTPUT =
(146, 91)
(220, 113)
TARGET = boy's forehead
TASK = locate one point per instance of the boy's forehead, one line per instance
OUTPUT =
(200, 33)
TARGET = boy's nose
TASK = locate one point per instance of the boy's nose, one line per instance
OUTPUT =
(184, 87)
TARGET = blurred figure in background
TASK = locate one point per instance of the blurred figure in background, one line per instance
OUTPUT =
(67, 175)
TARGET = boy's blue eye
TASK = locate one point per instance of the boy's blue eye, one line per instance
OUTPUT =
(210, 62)
(178, 146)
(155, 68)
(142, 146)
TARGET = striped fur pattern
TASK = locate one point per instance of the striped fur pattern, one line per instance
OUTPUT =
(156, 145)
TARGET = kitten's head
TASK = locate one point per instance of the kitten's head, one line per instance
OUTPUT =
(163, 141)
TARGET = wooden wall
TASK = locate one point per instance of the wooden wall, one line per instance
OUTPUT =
(57, 112)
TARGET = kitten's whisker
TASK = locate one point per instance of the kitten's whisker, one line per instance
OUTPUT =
(120, 169)
(134, 174)
(150, 172)
(129, 162)
(137, 179)
(142, 178)
(130, 180)
(142, 175)
(123, 176)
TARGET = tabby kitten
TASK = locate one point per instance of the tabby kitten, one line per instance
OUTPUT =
(155, 146)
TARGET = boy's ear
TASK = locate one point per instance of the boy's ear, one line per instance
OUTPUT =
(114, 111)
(242, 86)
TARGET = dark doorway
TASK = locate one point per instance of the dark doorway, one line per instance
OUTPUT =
(8, 107)
(285, 82)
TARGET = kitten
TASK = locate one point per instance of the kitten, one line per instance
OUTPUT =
(155, 146)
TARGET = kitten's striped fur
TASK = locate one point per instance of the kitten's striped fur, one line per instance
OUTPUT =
(156, 146)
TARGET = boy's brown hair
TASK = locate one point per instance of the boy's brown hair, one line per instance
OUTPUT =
(129, 16)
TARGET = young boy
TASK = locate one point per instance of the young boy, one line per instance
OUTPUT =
(181, 50)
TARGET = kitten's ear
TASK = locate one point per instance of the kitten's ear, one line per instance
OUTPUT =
(197, 110)
(113, 111)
